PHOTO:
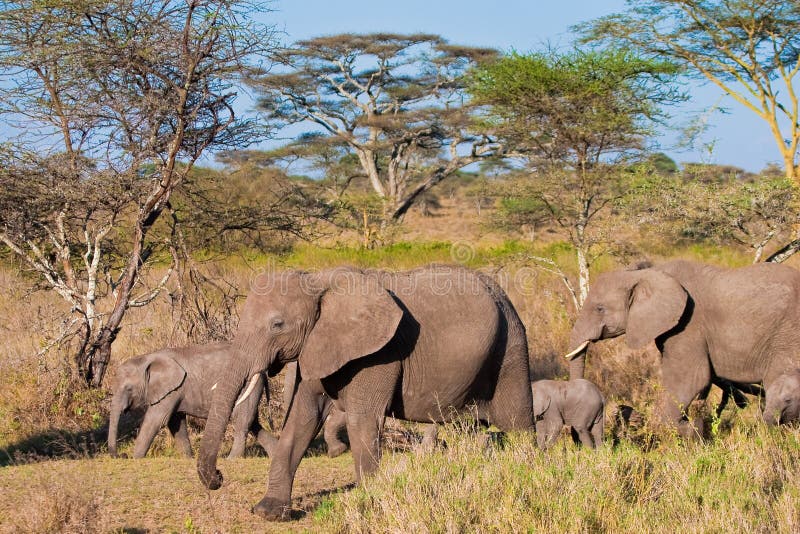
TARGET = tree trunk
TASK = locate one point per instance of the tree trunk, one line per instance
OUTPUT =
(789, 167)
(99, 352)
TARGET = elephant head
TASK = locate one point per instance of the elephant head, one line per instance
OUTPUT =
(783, 399)
(142, 381)
(542, 397)
(642, 304)
(322, 321)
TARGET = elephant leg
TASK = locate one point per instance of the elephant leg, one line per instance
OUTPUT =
(303, 422)
(584, 437)
(364, 430)
(244, 417)
(547, 430)
(155, 418)
(239, 441)
(177, 427)
(597, 432)
(430, 437)
(264, 437)
(334, 424)
(511, 407)
(684, 374)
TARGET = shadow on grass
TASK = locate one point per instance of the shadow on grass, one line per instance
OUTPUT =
(306, 504)
(60, 444)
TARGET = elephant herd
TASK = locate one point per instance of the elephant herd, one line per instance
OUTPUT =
(427, 344)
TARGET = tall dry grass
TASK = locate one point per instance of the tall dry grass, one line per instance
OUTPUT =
(746, 481)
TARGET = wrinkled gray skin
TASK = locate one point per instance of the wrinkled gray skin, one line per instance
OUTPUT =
(783, 399)
(336, 423)
(173, 383)
(739, 325)
(419, 345)
(576, 403)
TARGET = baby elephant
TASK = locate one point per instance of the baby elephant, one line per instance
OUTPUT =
(783, 399)
(173, 383)
(577, 403)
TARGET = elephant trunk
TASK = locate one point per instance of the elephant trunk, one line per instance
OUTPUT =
(577, 365)
(118, 405)
(218, 415)
(577, 356)
(771, 415)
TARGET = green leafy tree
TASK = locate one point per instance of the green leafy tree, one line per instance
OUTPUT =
(571, 117)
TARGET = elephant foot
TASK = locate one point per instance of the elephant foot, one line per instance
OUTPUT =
(336, 450)
(272, 509)
(210, 480)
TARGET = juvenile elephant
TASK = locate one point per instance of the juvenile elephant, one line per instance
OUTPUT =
(173, 383)
(783, 399)
(420, 345)
(576, 403)
(709, 323)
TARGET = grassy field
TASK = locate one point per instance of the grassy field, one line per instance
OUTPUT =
(746, 479)
(55, 475)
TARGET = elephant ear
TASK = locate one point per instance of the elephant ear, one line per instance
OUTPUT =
(163, 375)
(357, 317)
(541, 402)
(657, 304)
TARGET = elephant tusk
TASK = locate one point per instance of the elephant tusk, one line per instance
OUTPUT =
(250, 387)
(577, 351)
(214, 386)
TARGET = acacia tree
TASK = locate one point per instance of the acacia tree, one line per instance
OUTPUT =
(750, 49)
(111, 104)
(395, 101)
(573, 116)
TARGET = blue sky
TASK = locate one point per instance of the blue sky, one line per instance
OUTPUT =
(738, 137)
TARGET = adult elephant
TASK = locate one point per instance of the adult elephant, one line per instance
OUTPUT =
(172, 383)
(419, 345)
(709, 323)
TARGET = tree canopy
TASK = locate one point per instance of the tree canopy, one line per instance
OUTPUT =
(395, 101)
(112, 105)
(570, 116)
(750, 49)
(575, 108)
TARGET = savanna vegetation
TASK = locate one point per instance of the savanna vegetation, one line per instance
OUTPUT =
(116, 239)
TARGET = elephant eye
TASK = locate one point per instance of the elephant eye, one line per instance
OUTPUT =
(277, 324)
(600, 308)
